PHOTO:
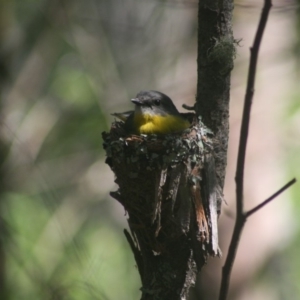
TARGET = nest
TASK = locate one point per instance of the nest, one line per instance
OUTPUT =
(168, 187)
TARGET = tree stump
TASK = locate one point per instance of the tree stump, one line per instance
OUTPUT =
(168, 187)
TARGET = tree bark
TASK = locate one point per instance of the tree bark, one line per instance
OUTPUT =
(216, 51)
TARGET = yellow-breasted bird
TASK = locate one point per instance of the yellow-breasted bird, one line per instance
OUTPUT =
(154, 113)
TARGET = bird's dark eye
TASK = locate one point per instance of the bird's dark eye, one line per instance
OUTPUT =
(157, 102)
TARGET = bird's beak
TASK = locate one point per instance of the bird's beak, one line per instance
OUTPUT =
(136, 101)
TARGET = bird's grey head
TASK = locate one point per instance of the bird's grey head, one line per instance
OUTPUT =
(154, 102)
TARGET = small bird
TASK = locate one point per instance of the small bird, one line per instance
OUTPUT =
(154, 113)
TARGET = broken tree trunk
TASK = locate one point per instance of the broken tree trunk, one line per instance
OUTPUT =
(169, 190)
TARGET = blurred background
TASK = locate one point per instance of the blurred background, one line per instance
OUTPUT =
(65, 66)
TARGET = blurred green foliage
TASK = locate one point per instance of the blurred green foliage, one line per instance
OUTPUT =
(56, 256)
(65, 65)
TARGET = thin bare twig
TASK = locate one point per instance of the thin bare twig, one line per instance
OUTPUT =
(241, 216)
(259, 206)
(247, 105)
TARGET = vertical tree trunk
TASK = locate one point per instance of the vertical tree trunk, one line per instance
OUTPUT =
(216, 51)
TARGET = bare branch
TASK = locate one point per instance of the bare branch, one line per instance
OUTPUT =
(241, 216)
(259, 206)
(247, 106)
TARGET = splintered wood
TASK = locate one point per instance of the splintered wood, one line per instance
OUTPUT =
(168, 187)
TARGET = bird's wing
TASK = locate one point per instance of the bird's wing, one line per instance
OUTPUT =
(123, 116)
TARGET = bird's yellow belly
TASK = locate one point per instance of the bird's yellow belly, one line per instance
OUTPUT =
(147, 124)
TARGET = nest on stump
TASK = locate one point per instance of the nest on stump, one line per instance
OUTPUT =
(168, 187)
